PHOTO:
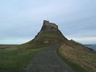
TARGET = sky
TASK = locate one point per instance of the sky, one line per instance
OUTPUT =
(21, 20)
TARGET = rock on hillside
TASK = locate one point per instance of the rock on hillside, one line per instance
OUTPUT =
(47, 26)
(49, 33)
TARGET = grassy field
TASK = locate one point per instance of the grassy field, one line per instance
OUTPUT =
(78, 57)
(13, 58)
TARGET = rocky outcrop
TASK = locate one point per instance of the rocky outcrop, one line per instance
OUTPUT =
(49, 33)
(47, 26)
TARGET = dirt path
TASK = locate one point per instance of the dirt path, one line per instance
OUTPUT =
(47, 61)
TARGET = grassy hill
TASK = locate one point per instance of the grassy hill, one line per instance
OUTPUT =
(13, 58)
(80, 58)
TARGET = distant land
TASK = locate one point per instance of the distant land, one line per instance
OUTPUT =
(93, 46)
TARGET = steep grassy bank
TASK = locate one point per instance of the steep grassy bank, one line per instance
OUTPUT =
(78, 57)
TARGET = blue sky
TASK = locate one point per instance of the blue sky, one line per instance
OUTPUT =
(21, 20)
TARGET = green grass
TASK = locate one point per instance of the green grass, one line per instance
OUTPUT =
(15, 58)
(50, 36)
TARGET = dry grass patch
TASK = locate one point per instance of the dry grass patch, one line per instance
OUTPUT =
(79, 55)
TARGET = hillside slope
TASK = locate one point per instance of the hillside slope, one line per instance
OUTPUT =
(49, 34)
(79, 57)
